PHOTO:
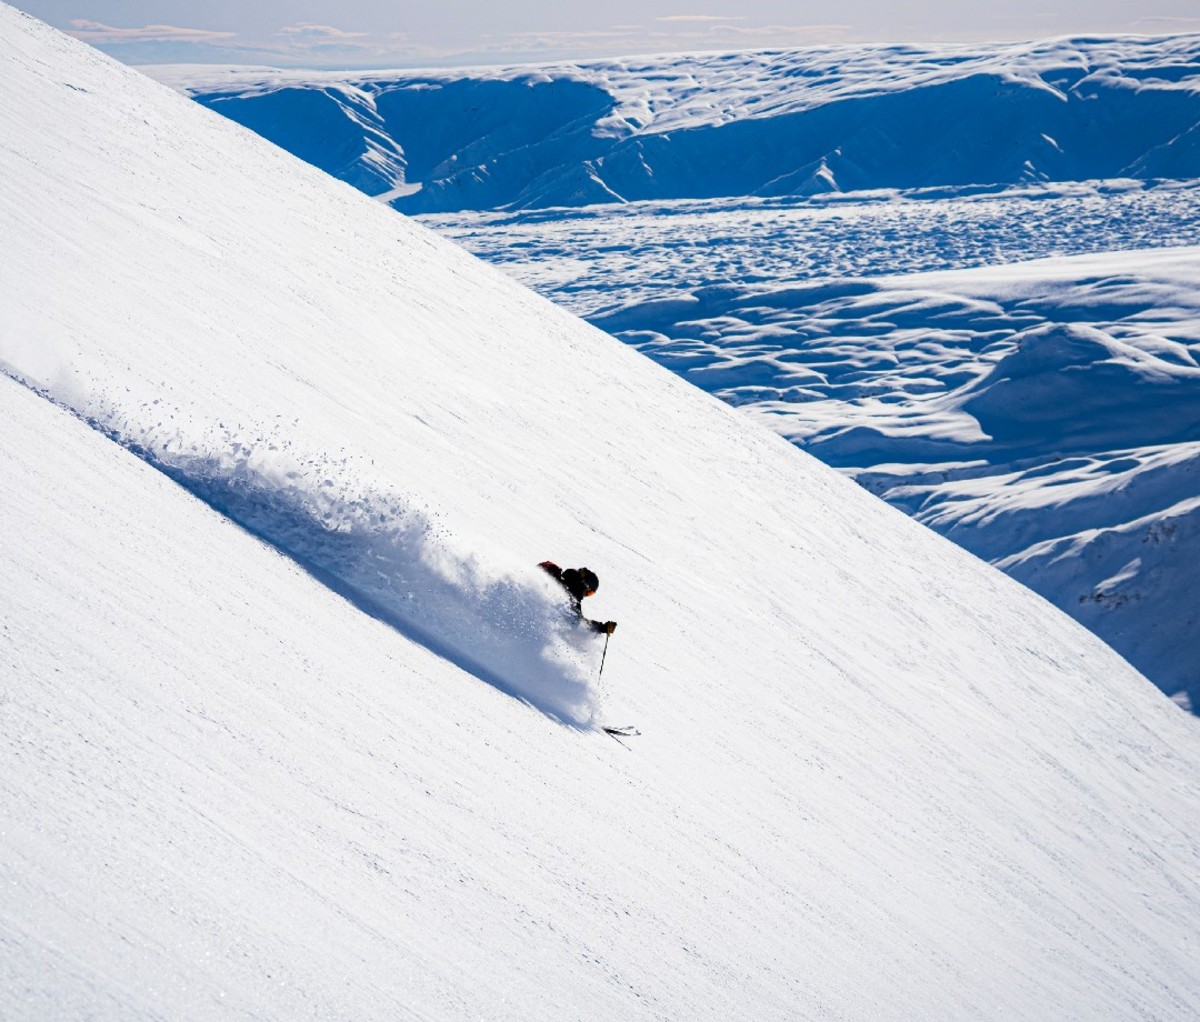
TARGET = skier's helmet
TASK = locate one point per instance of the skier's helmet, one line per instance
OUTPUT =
(590, 582)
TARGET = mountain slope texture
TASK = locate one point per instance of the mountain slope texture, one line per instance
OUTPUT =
(294, 726)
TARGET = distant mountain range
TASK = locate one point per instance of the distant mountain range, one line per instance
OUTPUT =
(794, 122)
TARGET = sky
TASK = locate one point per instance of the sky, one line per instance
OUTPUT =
(387, 33)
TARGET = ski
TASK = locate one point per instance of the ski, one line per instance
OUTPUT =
(628, 731)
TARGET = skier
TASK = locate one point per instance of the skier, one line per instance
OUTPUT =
(579, 583)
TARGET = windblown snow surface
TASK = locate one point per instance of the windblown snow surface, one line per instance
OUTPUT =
(293, 727)
(1079, 479)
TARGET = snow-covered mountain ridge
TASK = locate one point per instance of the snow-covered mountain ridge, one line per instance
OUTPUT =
(877, 778)
(801, 122)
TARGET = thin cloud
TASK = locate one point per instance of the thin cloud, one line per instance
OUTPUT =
(98, 32)
(1168, 21)
(724, 34)
(311, 44)
(562, 41)
(322, 33)
(682, 31)
(324, 42)
(801, 32)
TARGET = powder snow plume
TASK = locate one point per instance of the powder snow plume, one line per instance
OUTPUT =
(498, 618)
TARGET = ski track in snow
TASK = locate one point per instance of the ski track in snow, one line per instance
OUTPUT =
(505, 623)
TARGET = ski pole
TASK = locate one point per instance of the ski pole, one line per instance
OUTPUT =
(603, 655)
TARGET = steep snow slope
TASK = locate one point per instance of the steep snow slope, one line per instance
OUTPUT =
(878, 779)
(789, 122)
(678, 269)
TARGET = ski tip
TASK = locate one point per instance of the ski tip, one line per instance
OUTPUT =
(628, 731)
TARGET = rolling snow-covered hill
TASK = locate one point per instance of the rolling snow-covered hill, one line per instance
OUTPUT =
(772, 123)
(294, 727)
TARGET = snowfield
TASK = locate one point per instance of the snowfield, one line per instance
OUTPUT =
(594, 259)
(294, 727)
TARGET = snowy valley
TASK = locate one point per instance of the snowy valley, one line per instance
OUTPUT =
(294, 727)
(762, 223)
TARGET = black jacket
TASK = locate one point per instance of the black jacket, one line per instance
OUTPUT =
(575, 582)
